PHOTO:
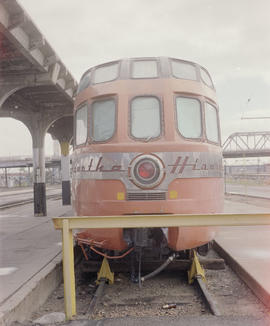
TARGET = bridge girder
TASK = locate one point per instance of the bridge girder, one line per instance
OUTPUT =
(247, 144)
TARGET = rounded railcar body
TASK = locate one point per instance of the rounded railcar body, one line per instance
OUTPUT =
(147, 141)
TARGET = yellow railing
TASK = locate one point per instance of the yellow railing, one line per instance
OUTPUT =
(67, 224)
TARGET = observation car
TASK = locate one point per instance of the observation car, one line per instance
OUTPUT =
(147, 141)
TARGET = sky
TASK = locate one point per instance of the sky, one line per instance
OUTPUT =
(230, 38)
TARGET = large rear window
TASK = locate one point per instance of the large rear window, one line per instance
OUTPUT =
(84, 82)
(189, 121)
(211, 123)
(206, 77)
(103, 120)
(81, 125)
(145, 117)
(183, 70)
(144, 69)
(106, 73)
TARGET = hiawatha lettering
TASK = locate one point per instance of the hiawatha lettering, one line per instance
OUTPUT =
(184, 165)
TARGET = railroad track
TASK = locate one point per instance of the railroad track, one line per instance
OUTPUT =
(26, 201)
(178, 265)
(167, 294)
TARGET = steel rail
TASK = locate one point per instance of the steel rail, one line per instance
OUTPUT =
(96, 297)
(26, 201)
(208, 297)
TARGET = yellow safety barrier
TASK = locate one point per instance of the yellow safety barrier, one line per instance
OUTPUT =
(67, 224)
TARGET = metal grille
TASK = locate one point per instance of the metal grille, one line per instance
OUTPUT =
(146, 196)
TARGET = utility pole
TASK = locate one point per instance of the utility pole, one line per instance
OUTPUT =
(248, 118)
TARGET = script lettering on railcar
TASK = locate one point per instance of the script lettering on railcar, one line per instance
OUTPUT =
(178, 167)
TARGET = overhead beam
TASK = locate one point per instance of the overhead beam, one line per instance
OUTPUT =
(17, 20)
(37, 42)
(34, 48)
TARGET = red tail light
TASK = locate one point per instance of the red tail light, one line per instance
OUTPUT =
(146, 170)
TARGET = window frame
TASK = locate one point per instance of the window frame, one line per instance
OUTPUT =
(161, 115)
(90, 72)
(90, 128)
(201, 114)
(144, 59)
(87, 124)
(218, 142)
(186, 62)
(104, 65)
(202, 80)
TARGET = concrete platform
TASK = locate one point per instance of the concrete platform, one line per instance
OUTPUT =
(13, 195)
(247, 250)
(174, 321)
(262, 191)
(30, 256)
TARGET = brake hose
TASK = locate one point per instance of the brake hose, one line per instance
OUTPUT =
(159, 269)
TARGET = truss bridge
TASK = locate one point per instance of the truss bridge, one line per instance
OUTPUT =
(247, 144)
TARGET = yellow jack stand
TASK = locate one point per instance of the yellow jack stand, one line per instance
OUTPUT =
(105, 272)
(196, 270)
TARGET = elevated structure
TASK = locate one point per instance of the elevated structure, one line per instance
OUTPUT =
(35, 88)
(247, 144)
(18, 162)
(26, 161)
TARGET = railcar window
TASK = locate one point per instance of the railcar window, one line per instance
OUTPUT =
(106, 73)
(103, 120)
(81, 125)
(183, 70)
(144, 69)
(84, 83)
(145, 117)
(206, 78)
(211, 123)
(189, 119)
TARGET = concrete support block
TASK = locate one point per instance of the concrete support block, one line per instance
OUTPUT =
(40, 207)
(66, 193)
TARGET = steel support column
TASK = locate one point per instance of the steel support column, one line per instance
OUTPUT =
(65, 167)
(62, 130)
(40, 207)
(6, 177)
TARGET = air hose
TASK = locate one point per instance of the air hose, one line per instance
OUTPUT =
(159, 269)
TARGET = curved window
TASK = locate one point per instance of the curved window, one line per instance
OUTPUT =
(206, 77)
(188, 112)
(145, 117)
(183, 70)
(84, 82)
(103, 120)
(106, 73)
(144, 69)
(81, 125)
(211, 123)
